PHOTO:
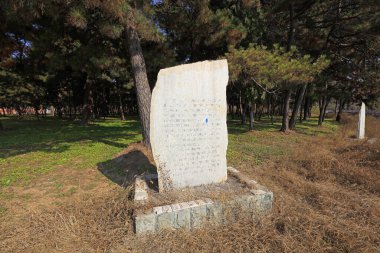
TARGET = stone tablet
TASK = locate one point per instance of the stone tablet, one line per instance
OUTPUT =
(361, 122)
(188, 130)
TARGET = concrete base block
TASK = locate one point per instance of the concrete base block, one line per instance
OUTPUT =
(166, 220)
(214, 211)
(183, 219)
(198, 214)
(145, 223)
(194, 214)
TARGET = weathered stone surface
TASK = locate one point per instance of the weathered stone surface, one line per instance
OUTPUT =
(188, 124)
(145, 223)
(183, 216)
(215, 212)
(141, 188)
(198, 214)
(166, 220)
(266, 204)
(361, 122)
(245, 201)
(194, 214)
(262, 201)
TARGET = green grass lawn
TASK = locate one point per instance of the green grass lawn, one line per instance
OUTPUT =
(31, 149)
(266, 141)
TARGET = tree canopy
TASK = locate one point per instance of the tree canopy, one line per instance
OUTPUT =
(100, 58)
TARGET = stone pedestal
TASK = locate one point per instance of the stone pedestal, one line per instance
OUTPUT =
(256, 201)
(189, 138)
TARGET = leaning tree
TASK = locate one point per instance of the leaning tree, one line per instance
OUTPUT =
(93, 23)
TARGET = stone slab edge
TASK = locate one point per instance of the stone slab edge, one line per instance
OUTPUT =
(141, 186)
(192, 214)
(252, 184)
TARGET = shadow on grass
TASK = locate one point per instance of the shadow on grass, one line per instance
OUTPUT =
(123, 169)
(55, 135)
(18, 150)
(308, 127)
(311, 128)
(235, 126)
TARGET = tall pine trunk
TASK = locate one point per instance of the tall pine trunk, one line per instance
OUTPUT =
(340, 110)
(306, 107)
(36, 112)
(121, 108)
(252, 107)
(87, 102)
(243, 114)
(241, 109)
(285, 112)
(322, 109)
(310, 108)
(273, 106)
(144, 94)
(297, 107)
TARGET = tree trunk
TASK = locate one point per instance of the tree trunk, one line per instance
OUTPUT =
(87, 102)
(322, 110)
(285, 112)
(59, 110)
(1, 126)
(19, 110)
(281, 108)
(144, 94)
(104, 104)
(291, 27)
(301, 108)
(261, 110)
(297, 107)
(70, 111)
(252, 115)
(120, 104)
(233, 116)
(321, 104)
(96, 104)
(309, 109)
(36, 112)
(306, 108)
(242, 113)
(340, 110)
(273, 105)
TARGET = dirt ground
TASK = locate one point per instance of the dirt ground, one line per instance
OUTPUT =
(327, 199)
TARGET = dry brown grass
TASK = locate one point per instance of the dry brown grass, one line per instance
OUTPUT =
(327, 199)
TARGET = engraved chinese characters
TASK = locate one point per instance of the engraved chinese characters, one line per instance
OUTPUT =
(188, 124)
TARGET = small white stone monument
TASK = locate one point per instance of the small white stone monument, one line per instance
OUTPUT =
(188, 128)
(361, 122)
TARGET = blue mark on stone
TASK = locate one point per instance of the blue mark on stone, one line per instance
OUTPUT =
(206, 120)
